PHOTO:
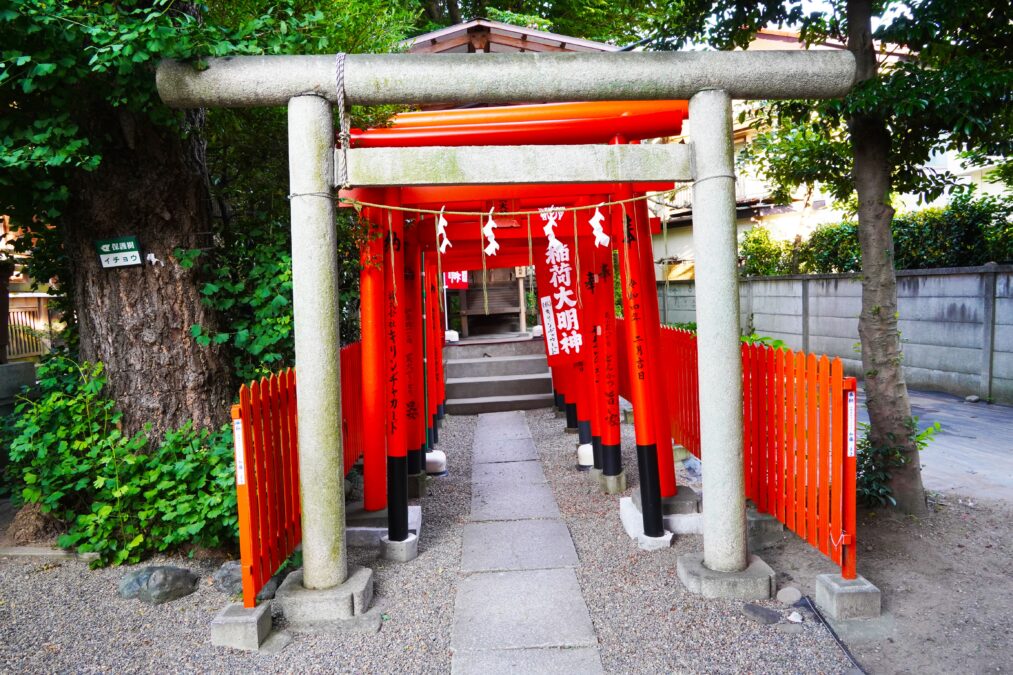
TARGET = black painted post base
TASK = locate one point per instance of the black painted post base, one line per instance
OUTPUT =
(650, 489)
(397, 498)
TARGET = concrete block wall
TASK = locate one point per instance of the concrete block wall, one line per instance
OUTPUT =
(956, 324)
(1001, 366)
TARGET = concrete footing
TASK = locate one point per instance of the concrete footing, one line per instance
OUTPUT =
(763, 530)
(400, 551)
(418, 486)
(756, 582)
(365, 529)
(680, 513)
(241, 627)
(309, 609)
(613, 485)
(633, 523)
(843, 599)
(585, 456)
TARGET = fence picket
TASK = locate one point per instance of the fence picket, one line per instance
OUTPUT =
(836, 461)
(812, 436)
(823, 465)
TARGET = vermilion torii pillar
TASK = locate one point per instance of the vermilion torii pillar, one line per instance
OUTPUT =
(415, 405)
(397, 381)
(374, 366)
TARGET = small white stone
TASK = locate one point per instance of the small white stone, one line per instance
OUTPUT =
(795, 617)
(789, 595)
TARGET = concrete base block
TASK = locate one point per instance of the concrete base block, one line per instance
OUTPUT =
(613, 485)
(686, 500)
(418, 486)
(585, 456)
(756, 582)
(844, 599)
(680, 513)
(400, 551)
(633, 523)
(306, 608)
(365, 529)
(560, 414)
(241, 627)
(763, 530)
(680, 453)
(594, 475)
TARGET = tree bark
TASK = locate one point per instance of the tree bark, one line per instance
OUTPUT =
(136, 320)
(885, 388)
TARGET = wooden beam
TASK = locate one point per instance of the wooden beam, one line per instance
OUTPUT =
(520, 164)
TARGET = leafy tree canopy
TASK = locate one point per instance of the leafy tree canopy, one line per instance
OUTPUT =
(944, 84)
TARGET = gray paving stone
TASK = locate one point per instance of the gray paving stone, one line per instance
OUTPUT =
(517, 545)
(504, 450)
(514, 501)
(508, 473)
(516, 610)
(579, 661)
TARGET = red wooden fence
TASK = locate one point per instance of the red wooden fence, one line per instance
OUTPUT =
(799, 433)
(267, 466)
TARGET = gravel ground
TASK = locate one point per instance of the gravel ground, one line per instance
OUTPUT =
(646, 621)
(61, 616)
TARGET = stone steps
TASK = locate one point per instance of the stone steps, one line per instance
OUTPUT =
(475, 406)
(521, 364)
(497, 373)
(499, 385)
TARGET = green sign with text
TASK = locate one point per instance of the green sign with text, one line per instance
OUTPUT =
(119, 252)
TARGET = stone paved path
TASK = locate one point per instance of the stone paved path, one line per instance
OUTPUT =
(519, 606)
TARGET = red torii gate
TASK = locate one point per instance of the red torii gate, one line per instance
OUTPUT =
(402, 244)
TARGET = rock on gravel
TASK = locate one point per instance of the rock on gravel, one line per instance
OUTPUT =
(760, 614)
(155, 585)
(228, 579)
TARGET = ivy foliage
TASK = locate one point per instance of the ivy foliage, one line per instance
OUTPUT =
(967, 232)
(118, 496)
(876, 463)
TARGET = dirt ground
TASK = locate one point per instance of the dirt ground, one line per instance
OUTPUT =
(947, 584)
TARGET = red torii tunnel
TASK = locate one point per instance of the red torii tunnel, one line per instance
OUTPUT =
(574, 234)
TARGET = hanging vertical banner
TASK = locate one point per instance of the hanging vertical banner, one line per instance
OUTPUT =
(557, 289)
(456, 281)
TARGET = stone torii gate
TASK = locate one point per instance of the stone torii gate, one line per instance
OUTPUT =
(309, 87)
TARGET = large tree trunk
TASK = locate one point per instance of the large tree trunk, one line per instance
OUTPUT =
(137, 320)
(885, 388)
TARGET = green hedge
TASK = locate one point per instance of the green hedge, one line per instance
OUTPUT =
(968, 232)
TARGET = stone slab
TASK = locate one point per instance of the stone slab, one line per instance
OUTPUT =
(522, 609)
(511, 424)
(508, 473)
(241, 627)
(504, 450)
(46, 552)
(686, 500)
(756, 582)
(517, 545)
(365, 529)
(763, 530)
(491, 501)
(845, 599)
(577, 661)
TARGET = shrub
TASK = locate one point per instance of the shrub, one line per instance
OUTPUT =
(876, 463)
(967, 232)
(117, 496)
